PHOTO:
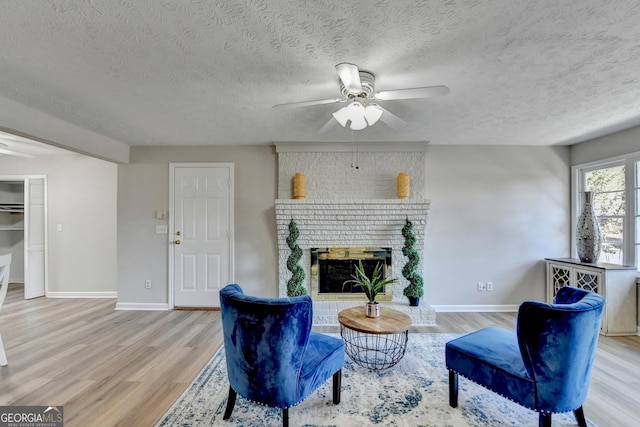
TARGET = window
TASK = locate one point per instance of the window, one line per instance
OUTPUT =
(607, 186)
(616, 200)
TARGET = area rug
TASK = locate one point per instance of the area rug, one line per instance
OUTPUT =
(414, 393)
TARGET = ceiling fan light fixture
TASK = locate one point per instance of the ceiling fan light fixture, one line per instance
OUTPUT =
(352, 112)
(359, 114)
(372, 113)
(356, 115)
(358, 123)
(342, 116)
(356, 107)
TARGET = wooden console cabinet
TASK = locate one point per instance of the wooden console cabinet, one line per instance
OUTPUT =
(616, 283)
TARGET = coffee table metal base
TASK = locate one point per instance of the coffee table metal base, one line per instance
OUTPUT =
(374, 351)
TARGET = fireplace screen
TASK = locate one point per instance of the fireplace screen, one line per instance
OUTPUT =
(332, 267)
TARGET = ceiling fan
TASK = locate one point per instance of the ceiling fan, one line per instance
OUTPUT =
(358, 89)
(18, 146)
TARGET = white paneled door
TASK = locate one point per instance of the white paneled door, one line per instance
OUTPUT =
(202, 233)
(34, 238)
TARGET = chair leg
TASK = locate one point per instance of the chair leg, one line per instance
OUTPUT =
(337, 383)
(231, 402)
(285, 417)
(544, 420)
(453, 389)
(579, 413)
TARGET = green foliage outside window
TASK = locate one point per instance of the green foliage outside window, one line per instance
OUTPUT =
(608, 188)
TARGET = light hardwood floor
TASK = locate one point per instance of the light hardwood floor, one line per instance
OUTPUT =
(126, 368)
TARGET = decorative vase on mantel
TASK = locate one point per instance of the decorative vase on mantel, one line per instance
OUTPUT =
(403, 185)
(588, 236)
(299, 186)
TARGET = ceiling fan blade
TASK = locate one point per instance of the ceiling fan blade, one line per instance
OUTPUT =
(328, 126)
(308, 103)
(391, 119)
(15, 153)
(350, 76)
(418, 92)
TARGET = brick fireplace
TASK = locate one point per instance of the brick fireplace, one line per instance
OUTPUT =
(351, 203)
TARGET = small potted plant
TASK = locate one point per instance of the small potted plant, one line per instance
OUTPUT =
(371, 286)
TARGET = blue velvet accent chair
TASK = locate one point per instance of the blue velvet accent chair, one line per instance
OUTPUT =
(273, 357)
(545, 365)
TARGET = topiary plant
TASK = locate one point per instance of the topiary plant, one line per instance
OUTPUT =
(295, 285)
(415, 287)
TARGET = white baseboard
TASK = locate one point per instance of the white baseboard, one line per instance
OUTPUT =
(475, 308)
(82, 294)
(143, 306)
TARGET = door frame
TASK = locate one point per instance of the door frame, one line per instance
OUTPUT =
(25, 178)
(171, 235)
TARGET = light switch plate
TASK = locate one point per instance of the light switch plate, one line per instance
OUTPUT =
(162, 229)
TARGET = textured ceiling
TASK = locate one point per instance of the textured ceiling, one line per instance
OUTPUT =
(178, 72)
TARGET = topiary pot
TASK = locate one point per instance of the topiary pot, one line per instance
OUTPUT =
(414, 301)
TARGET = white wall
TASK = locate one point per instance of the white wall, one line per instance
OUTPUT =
(81, 193)
(496, 213)
(349, 171)
(143, 188)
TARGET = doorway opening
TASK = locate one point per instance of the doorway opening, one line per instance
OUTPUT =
(23, 230)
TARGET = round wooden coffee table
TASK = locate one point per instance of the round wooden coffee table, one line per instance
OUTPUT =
(374, 342)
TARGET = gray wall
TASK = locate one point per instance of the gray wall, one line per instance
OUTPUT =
(617, 144)
(143, 188)
(496, 212)
(81, 195)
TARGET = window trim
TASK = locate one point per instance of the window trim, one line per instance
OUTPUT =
(577, 185)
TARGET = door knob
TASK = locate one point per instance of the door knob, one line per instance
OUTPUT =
(177, 242)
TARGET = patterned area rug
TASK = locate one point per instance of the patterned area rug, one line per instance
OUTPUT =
(413, 393)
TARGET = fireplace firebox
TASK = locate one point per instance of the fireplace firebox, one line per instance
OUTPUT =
(332, 267)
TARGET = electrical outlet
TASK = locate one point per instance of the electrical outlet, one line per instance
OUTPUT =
(489, 286)
(147, 284)
(480, 286)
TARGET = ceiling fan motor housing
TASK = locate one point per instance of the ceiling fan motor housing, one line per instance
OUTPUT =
(368, 83)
